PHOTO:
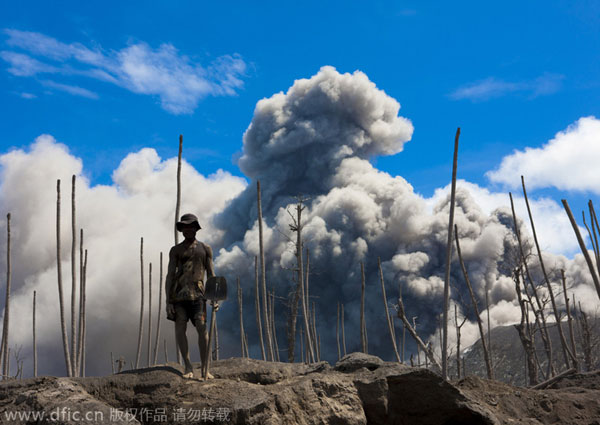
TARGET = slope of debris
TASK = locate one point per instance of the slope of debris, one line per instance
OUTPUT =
(359, 389)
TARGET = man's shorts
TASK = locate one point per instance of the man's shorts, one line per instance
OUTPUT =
(190, 310)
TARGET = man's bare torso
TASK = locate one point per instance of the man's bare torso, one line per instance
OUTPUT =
(188, 263)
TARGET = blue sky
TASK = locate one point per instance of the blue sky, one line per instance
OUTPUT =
(511, 76)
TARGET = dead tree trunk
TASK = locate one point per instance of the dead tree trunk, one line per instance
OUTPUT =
(584, 250)
(274, 329)
(458, 327)
(523, 334)
(337, 332)
(304, 289)
(569, 321)
(586, 341)
(448, 261)
(539, 312)
(314, 332)
(84, 321)
(34, 341)
(177, 205)
(139, 345)
(239, 298)
(566, 352)
(160, 283)
(74, 360)
(178, 200)
(6, 302)
(149, 313)
(63, 325)
(486, 355)
(295, 296)
(363, 328)
(387, 312)
(263, 275)
(80, 326)
(257, 308)
(413, 333)
(343, 331)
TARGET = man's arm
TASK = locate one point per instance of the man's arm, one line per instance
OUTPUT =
(210, 271)
(170, 274)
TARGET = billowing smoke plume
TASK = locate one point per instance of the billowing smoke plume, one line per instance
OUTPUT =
(315, 141)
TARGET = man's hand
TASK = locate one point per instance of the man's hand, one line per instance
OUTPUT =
(215, 305)
(170, 311)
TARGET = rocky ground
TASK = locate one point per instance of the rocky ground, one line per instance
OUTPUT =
(359, 389)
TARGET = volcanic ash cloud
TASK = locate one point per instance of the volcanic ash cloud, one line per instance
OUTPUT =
(316, 140)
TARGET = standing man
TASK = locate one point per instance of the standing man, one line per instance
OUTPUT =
(188, 263)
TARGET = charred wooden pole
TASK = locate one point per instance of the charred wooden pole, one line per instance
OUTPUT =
(263, 275)
(63, 325)
(34, 341)
(160, 283)
(566, 352)
(387, 312)
(74, 360)
(486, 355)
(448, 261)
(363, 338)
(139, 345)
(569, 320)
(540, 310)
(584, 250)
(258, 309)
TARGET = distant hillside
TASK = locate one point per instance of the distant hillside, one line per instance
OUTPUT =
(508, 356)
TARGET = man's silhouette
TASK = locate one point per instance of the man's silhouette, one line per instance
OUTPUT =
(188, 263)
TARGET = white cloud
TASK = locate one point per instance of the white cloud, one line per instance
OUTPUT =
(74, 90)
(493, 87)
(140, 202)
(177, 80)
(568, 162)
(549, 217)
(25, 66)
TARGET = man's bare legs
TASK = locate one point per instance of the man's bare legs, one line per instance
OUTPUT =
(203, 345)
(182, 343)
